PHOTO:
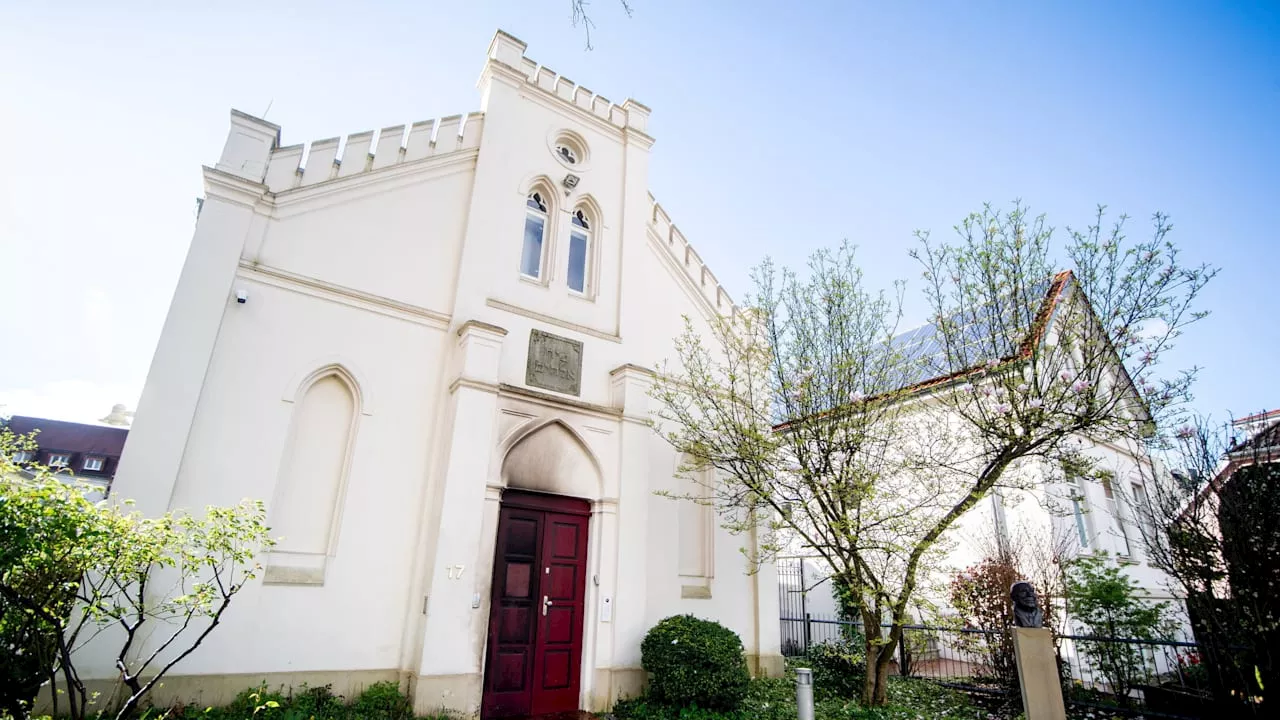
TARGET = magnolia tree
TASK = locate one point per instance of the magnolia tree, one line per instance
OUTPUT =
(835, 434)
(72, 570)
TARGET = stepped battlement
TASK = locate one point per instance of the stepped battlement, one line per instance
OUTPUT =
(338, 157)
(508, 50)
(686, 257)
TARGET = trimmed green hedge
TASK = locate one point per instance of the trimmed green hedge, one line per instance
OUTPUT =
(695, 662)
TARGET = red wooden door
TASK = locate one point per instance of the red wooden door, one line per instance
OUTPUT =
(534, 658)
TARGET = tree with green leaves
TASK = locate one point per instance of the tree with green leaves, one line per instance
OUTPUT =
(71, 569)
(832, 431)
(1109, 605)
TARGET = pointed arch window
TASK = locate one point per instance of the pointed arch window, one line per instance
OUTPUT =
(579, 251)
(535, 232)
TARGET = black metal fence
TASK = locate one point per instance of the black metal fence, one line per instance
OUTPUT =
(800, 627)
(1117, 676)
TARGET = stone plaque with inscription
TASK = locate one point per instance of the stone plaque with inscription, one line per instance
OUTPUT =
(555, 363)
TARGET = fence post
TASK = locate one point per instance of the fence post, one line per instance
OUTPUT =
(808, 634)
(904, 662)
(804, 693)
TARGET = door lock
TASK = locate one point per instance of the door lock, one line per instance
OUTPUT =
(546, 603)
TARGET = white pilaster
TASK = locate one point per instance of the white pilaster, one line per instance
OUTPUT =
(630, 389)
(453, 640)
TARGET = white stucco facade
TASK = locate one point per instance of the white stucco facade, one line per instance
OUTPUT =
(379, 361)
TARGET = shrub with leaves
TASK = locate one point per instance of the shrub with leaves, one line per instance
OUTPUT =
(383, 700)
(839, 669)
(695, 662)
(167, 580)
(980, 596)
(1107, 603)
(379, 701)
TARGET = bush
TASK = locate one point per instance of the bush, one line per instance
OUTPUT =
(383, 700)
(839, 669)
(774, 699)
(62, 550)
(380, 701)
(318, 703)
(695, 663)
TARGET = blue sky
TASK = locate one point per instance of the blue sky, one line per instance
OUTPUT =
(780, 128)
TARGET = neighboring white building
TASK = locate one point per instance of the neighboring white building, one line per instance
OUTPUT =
(1041, 516)
(434, 343)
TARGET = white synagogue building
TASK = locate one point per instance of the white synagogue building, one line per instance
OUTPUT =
(430, 359)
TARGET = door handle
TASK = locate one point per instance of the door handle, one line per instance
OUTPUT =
(546, 603)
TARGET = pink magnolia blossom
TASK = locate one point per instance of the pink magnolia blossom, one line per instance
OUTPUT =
(1003, 408)
(1080, 386)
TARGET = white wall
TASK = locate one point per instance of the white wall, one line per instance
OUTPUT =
(400, 269)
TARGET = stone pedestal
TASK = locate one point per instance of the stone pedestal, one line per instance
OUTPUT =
(1038, 674)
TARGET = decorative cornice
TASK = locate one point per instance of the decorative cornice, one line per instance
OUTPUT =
(464, 382)
(376, 181)
(342, 295)
(532, 315)
(556, 401)
(628, 367)
(232, 188)
(642, 139)
(470, 325)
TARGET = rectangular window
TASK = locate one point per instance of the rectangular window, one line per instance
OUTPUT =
(23, 456)
(1142, 506)
(1117, 520)
(577, 262)
(531, 255)
(1080, 526)
(59, 460)
(92, 463)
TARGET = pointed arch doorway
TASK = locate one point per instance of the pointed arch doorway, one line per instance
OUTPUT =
(534, 657)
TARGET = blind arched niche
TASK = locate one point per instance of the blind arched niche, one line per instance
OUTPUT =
(306, 505)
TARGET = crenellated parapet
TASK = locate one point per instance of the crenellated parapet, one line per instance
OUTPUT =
(670, 237)
(508, 50)
(297, 166)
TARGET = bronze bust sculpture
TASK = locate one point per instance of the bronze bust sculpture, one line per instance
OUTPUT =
(1026, 611)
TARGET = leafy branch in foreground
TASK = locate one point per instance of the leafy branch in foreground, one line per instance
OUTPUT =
(74, 572)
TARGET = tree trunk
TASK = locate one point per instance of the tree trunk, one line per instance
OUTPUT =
(879, 653)
(870, 634)
(883, 658)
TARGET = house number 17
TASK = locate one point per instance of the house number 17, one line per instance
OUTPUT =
(455, 571)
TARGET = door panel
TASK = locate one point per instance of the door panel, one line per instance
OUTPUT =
(512, 624)
(534, 658)
(557, 657)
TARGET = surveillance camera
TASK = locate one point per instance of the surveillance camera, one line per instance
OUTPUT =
(242, 296)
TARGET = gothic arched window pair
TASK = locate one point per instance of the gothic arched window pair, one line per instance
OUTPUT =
(533, 254)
